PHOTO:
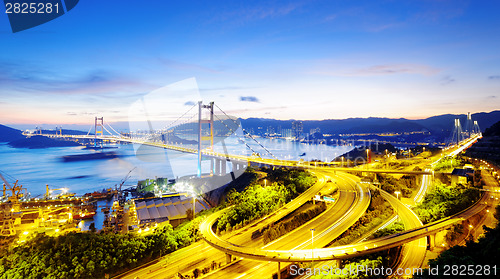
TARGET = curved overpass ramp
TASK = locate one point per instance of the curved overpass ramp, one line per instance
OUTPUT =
(334, 253)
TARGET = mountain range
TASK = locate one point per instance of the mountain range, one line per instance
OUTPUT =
(435, 124)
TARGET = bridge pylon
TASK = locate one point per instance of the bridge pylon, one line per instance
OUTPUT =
(210, 122)
(98, 129)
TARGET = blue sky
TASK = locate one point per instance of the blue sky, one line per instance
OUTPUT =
(275, 59)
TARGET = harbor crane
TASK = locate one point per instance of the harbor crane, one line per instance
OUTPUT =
(11, 214)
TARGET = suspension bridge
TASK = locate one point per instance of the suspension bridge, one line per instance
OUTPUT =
(197, 130)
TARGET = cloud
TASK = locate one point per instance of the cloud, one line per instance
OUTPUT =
(491, 97)
(30, 78)
(250, 13)
(186, 66)
(226, 88)
(252, 99)
(447, 80)
(495, 77)
(189, 103)
(380, 70)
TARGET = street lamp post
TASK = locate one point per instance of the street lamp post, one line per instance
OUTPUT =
(194, 206)
(386, 159)
(342, 161)
(312, 246)
(397, 197)
(367, 157)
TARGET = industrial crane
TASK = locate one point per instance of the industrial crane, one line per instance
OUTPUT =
(118, 188)
(63, 193)
(16, 191)
(11, 214)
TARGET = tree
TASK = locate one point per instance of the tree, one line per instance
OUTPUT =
(92, 227)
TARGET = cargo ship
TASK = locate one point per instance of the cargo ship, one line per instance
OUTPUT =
(92, 156)
(84, 215)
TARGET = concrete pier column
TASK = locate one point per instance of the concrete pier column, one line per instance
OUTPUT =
(228, 258)
(223, 167)
(217, 166)
(279, 271)
(212, 166)
(338, 263)
(432, 241)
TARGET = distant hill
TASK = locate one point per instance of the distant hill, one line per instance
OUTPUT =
(436, 124)
(35, 142)
(446, 121)
(494, 130)
(489, 146)
(16, 139)
(66, 132)
(8, 134)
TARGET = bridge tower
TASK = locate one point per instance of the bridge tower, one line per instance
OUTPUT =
(98, 129)
(210, 122)
(475, 129)
(457, 134)
(469, 125)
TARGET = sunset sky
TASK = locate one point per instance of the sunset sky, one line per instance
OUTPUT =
(272, 59)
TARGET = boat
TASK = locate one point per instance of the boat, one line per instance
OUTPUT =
(84, 215)
(92, 156)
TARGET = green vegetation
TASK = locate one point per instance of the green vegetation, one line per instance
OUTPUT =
(484, 253)
(449, 163)
(373, 261)
(401, 164)
(277, 230)
(91, 255)
(397, 227)
(378, 211)
(256, 201)
(453, 235)
(377, 260)
(444, 201)
(353, 265)
(406, 184)
(149, 185)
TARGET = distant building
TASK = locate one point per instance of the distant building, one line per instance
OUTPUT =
(157, 210)
(314, 131)
(286, 133)
(461, 176)
(297, 129)
(270, 131)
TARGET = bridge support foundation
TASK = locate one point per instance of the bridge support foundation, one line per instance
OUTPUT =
(217, 166)
(229, 257)
(432, 241)
(338, 263)
(279, 271)
(222, 167)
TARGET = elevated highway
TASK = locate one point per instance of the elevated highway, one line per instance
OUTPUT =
(353, 201)
(256, 160)
(200, 254)
(340, 252)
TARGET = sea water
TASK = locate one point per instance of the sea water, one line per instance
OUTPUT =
(34, 168)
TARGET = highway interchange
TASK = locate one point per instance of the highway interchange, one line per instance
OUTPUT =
(353, 200)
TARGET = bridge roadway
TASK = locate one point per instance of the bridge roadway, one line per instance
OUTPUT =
(201, 255)
(253, 159)
(339, 252)
(353, 201)
(412, 253)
